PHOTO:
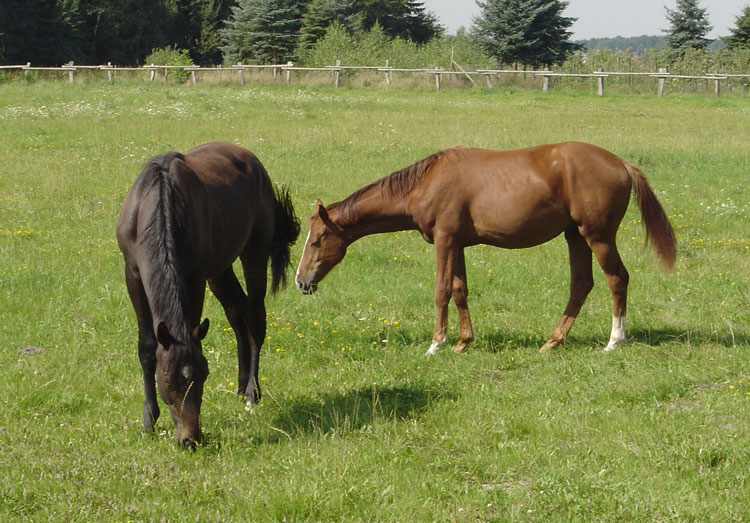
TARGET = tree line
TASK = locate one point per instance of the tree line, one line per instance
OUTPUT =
(209, 32)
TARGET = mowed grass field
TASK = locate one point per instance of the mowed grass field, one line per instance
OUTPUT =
(356, 424)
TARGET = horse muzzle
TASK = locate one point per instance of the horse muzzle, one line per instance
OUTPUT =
(307, 287)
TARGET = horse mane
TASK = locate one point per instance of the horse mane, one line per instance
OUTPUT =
(164, 241)
(397, 184)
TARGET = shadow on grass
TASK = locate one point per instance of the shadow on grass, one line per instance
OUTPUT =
(352, 411)
(502, 341)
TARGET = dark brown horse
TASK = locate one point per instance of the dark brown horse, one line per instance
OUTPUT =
(513, 199)
(184, 222)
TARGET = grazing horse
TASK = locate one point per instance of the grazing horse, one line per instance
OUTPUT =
(183, 223)
(512, 199)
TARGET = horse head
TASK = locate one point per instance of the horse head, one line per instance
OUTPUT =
(325, 247)
(181, 371)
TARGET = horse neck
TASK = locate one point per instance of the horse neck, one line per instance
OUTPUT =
(167, 298)
(373, 212)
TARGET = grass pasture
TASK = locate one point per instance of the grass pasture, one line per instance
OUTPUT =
(356, 424)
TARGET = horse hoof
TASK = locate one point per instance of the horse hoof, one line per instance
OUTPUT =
(459, 348)
(548, 347)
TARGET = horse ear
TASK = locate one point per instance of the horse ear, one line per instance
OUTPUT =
(201, 330)
(163, 335)
(321, 210)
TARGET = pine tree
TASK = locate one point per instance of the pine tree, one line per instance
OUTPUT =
(320, 14)
(688, 26)
(261, 31)
(406, 19)
(740, 37)
(530, 32)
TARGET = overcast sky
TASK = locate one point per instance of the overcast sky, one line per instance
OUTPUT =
(605, 18)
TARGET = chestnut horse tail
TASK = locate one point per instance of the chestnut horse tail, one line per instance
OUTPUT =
(658, 229)
(286, 231)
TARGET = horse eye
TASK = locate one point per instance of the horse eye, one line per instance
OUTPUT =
(316, 243)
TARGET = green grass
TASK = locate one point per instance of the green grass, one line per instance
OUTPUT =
(356, 424)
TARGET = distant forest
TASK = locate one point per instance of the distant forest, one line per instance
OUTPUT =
(637, 44)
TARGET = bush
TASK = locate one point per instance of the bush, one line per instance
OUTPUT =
(171, 56)
(374, 48)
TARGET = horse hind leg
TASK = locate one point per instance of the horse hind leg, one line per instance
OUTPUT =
(229, 292)
(617, 280)
(255, 269)
(581, 283)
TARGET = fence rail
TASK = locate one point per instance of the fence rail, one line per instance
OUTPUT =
(335, 70)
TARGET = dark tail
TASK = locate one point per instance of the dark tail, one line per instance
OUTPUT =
(285, 234)
(658, 229)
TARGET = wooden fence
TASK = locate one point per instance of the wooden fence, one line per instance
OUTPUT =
(335, 71)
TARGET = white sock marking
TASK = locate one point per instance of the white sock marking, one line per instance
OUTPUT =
(434, 347)
(618, 332)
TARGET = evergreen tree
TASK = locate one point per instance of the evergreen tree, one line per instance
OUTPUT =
(740, 37)
(531, 32)
(261, 31)
(406, 19)
(688, 26)
(205, 46)
(320, 14)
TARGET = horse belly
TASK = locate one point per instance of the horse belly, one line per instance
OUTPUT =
(522, 226)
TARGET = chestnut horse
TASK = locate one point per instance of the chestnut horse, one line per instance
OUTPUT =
(183, 223)
(512, 199)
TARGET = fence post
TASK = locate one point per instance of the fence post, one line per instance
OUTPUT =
(716, 86)
(152, 75)
(437, 78)
(239, 73)
(192, 76)
(109, 72)
(336, 74)
(70, 72)
(545, 83)
(388, 74)
(288, 72)
(662, 81)
(600, 84)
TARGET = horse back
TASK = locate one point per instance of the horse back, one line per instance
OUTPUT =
(223, 194)
(522, 197)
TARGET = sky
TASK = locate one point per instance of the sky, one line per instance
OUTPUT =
(605, 18)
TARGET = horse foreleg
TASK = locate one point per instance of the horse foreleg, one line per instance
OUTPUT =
(581, 283)
(460, 294)
(445, 256)
(146, 346)
(617, 280)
